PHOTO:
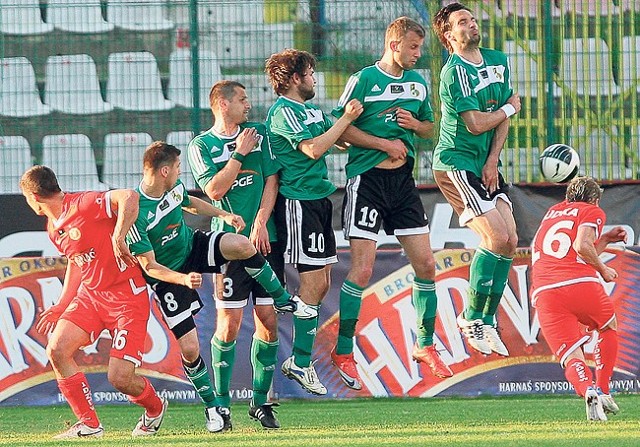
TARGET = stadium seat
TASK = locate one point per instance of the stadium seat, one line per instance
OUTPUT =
(591, 8)
(19, 95)
(630, 62)
(134, 82)
(71, 157)
(22, 17)
(77, 16)
(482, 9)
(139, 15)
(214, 13)
(600, 155)
(524, 68)
(530, 9)
(181, 139)
(72, 85)
(336, 162)
(347, 11)
(586, 67)
(16, 158)
(422, 169)
(259, 91)
(180, 89)
(123, 158)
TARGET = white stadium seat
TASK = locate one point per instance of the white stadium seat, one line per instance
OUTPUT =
(530, 9)
(600, 155)
(123, 154)
(586, 67)
(384, 11)
(77, 16)
(336, 162)
(72, 85)
(139, 15)
(22, 17)
(524, 68)
(181, 139)
(19, 96)
(258, 88)
(216, 13)
(71, 158)
(134, 82)
(180, 88)
(592, 8)
(16, 158)
(423, 171)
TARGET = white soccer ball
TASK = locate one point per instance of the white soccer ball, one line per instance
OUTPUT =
(559, 163)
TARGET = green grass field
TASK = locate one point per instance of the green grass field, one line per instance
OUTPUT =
(505, 421)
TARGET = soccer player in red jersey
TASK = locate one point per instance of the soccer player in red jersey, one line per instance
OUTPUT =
(103, 289)
(567, 291)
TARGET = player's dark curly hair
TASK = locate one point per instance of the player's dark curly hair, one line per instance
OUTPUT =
(281, 67)
(40, 180)
(584, 189)
(441, 23)
(159, 154)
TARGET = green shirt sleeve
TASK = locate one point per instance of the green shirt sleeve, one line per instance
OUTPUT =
(201, 162)
(456, 82)
(353, 90)
(291, 127)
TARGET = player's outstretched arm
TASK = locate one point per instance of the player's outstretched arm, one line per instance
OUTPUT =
(616, 234)
(49, 317)
(125, 203)
(585, 246)
(203, 208)
(158, 271)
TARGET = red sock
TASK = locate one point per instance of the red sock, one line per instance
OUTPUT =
(77, 391)
(148, 399)
(605, 357)
(579, 375)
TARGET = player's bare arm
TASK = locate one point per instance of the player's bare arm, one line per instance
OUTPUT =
(125, 203)
(478, 122)
(259, 235)
(395, 149)
(406, 120)
(49, 317)
(202, 208)
(316, 147)
(616, 234)
(490, 169)
(158, 271)
(585, 246)
(221, 183)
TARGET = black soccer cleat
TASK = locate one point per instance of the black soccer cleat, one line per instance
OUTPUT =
(265, 415)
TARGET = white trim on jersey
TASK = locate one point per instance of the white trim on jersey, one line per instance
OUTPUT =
(132, 360)
(411, 231)
(348, 90)
(211, 252)
(107, 205)
(173, 198)
(292, 121)
(555, 285)
(464, 81)
(408, 89)
(177, 319)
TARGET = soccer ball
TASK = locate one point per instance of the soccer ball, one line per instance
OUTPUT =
(559, 163)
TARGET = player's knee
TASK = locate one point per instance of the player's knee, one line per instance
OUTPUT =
(56, 354)
(191, 352)
(361, 276)
(426, 269)
(226, 333)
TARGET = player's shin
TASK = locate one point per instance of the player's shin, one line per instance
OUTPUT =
(223, 357)
(425, 301)
(264, 355)
(605, 354)
(77, 392)
(148, 399)
(304, 335)
(198, 375)
(500, 278)
(350, 302)
(481, 271)
(579, 375)
(260, 270)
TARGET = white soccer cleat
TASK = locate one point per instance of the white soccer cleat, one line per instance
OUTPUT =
(298, 308)
(218, 419)
(306, 377)
(148, 426)
(609, 405)
(81, 430)
(595, 410)
(474, 333)
(494, 341)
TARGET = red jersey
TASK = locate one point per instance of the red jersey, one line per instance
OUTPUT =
(83, 234)
(554, 262)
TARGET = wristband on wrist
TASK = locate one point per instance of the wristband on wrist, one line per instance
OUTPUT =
(237, 156)
(508, 110)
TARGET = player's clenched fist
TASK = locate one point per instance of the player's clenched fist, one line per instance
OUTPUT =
(193, 280)
(353, 109)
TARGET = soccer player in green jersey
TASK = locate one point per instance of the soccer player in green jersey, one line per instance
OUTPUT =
(233, 165)
(381, 190)
(173, 257)
(477, 102)
(300, 137)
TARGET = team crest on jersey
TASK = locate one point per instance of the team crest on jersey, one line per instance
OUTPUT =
(176, 196)
(414, 90)
(74, 234)
(396, 89)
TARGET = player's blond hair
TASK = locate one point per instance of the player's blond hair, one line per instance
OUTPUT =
(41, 181)
(441, 23)
(400, 27)
(584, 189)
(280, 68)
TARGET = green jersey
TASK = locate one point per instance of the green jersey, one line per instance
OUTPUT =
(161, 228)
(210, 152)
(288, 123)
(381, 94)
(466, 86)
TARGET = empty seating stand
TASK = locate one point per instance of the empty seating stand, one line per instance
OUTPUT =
(77, 16)
(181, 139)
(22, 17)
(16, 158)
(71, 158)
(123, 154)
(139, 15)
(19, 95)
(180, 88)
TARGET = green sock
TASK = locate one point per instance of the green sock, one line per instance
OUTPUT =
(260, 270)
(223, 357)
(304, 334)
(264, 355)
(425, 301)
(199, 377)
(483, 265)
(500, 278)
(350, 302)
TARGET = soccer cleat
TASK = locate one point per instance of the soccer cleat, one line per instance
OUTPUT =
(81, 430)
(297, 307)
(265, 415)
(474, 333)
(218, 419)
(429, 356)
(595, 411)
(347, 369)
(148, 426)
(609, 405)
(492, 337)
(306, 377)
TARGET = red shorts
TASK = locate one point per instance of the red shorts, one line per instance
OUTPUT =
(120, 310)
(562, 310)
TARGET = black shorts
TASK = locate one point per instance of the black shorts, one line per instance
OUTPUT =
(305, 227)
(238, 285)
(179, 303)
(383, 197)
